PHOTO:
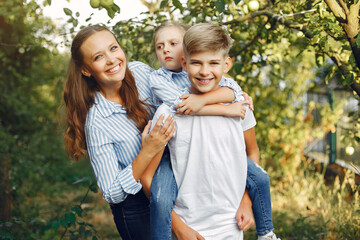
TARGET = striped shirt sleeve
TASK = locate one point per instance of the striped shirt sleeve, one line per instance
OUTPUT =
(114, 183)
(231, 83)
(165, 90)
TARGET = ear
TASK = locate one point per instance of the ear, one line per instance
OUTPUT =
(183, 63)
(85, 72)
(228, 64)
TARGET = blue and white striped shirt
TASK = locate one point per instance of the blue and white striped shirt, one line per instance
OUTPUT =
(169, 86)
(113, 140)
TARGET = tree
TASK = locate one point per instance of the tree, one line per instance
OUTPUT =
(30, 83)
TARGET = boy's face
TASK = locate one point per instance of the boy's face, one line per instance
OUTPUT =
(205, 70)
(169, 50)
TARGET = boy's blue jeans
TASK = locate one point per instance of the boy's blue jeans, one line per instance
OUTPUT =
(164, 192)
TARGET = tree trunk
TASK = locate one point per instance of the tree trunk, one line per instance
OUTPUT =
(5, 206)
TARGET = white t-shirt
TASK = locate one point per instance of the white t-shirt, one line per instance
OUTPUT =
(209, 162)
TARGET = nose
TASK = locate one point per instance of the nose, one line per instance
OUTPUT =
(166, 48)
(204, 70)
(110, 58)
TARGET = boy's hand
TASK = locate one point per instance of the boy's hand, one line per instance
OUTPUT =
(187, 233)
(244, 216)
(190, 104)
(249, 99)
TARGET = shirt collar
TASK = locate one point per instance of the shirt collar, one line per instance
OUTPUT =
(106, 107)
(169, 73)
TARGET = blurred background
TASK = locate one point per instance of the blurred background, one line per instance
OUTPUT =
(299, 60)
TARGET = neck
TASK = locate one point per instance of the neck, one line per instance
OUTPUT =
(112, 95)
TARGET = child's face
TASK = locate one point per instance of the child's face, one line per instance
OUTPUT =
(103, 59)
(168, 46)
(205, 70)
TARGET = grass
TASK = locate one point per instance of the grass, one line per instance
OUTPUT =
(304, 207)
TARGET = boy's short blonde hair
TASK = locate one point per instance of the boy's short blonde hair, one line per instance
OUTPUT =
(182, 28)
(206, 37)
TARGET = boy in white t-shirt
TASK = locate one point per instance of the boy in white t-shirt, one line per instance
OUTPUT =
(208, 153)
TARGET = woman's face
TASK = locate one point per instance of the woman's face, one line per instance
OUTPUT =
(103, 59)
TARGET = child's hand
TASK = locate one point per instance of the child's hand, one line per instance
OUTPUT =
(249, 99)
(236, 109)
(190, 104)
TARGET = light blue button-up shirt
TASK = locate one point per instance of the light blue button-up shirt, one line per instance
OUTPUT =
(113, 140)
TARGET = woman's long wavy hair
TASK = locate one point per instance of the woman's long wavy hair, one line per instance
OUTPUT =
(79, 94)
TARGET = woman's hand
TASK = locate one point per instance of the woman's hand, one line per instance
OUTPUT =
(155, 140)
(152, 144)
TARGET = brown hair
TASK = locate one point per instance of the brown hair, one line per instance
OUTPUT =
(206, 37)
(79, 94)
(182, 28)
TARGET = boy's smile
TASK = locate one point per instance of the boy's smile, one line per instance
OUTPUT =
(205, 70)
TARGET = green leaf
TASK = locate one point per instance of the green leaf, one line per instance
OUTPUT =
(70, 218)
(5, 235)
(67, 11)
(62, 222)
(55, 225)
(77, 210)
(163, 3)
(178, 5)
(92, 187)
(237, 1)
(116, 8)
(220, 5)
(357, 42)
(110, 12)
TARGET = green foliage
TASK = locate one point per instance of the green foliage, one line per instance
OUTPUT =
(279, 53)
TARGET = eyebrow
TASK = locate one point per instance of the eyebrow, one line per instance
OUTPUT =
(93, 55)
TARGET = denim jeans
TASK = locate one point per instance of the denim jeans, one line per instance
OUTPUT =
(163, 195)
(164, 192)
(132, 217)
(258, 185)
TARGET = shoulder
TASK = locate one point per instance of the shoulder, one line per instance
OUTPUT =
(137, 66)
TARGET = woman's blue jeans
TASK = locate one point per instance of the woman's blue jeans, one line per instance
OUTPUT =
(164, 193)
(132, 217)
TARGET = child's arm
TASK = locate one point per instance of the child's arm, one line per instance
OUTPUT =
(252, 149)
(147, 176)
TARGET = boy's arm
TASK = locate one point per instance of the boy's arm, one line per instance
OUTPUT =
(181, 230)
(244, 215)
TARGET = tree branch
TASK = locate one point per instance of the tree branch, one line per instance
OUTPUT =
(337, 10)
(278, 18)
(344, 71)
(344, 6)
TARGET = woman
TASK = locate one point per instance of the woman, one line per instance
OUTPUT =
(108, 105)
